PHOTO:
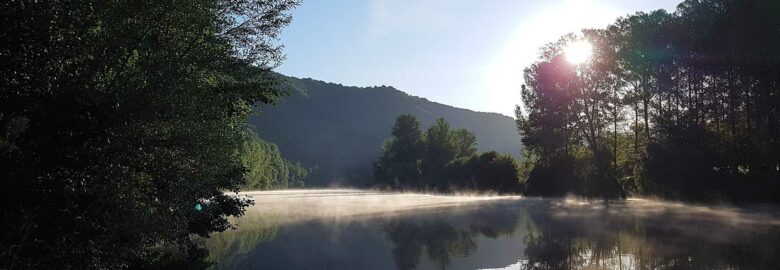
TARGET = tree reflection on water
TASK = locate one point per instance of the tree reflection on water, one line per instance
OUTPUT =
(443, 237)
(524, 234)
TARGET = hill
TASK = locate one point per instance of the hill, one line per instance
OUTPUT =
(338, 130)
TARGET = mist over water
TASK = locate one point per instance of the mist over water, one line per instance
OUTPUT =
(302, 205)
(363, 229)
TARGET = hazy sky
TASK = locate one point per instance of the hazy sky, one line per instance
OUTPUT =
(464, 53)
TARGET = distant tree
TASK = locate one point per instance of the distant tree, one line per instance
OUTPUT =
(497, 172)
(399, 163)
(442, 160)
(440, 149)
(267, 169)
(466, 142)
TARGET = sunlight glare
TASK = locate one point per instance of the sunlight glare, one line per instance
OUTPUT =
(503, 74)
(578, 52)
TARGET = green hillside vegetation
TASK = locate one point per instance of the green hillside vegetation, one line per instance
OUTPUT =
(267, 169)
(338, 130)
(441, 159)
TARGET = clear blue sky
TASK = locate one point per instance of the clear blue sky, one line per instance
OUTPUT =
(468, 54)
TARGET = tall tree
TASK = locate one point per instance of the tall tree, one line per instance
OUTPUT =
(699, 80)
(440, 149)
(466, 142)
(442, 160)
(121, 124)
(267, 169)
(401, 154)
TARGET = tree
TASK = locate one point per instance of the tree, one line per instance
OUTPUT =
(267, 169)
(558, 124)
(440, 149)
(401, 154)
(442, 160)
(497, 172)
(699, 80)
(466, 143)
(122, 123)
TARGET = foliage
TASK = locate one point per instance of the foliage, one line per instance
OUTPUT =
(399, 163)
(681, 105)
(117, 118)
(442, 159)
(488, 171)
(351, 123)
(440, 147)
(267, 169)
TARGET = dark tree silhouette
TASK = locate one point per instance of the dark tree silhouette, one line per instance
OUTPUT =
(121, 124)
(443, 160)
(681, 105)
(399, 163)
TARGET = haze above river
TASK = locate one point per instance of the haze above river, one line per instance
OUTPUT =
(356, 229)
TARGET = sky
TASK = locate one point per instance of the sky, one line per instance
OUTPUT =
(465, 53)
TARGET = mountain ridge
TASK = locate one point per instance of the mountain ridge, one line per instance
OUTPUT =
(339, 130)
(396, 89)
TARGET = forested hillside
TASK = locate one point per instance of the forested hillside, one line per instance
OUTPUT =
(338, 130)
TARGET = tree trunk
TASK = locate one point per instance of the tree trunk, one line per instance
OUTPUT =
(636, 127)
(645, 101)
(614, 132)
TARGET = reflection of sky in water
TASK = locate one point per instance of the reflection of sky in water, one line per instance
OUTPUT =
(347, 229)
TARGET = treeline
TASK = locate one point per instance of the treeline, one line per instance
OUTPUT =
(267, 169)
(351, 123)
(681, 105)
(441, 159)
(122, 125)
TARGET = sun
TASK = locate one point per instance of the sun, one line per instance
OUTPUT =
(578, 52)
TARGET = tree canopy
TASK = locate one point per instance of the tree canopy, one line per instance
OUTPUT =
(122, 125)
(267, 169)
(441, 159)
(682, 105)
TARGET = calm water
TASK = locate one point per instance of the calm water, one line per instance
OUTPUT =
(349, 229)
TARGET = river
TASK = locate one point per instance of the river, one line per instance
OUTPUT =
(362, 229)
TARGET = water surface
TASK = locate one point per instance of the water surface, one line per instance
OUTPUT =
(353, 229)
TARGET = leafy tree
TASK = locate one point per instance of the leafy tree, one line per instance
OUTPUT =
(399, 163)
(440, 149)
(267, 169)
(122, 123)
(497, 172)
(443, 160)
(691, 98)
(351, 122)
(466, 142)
